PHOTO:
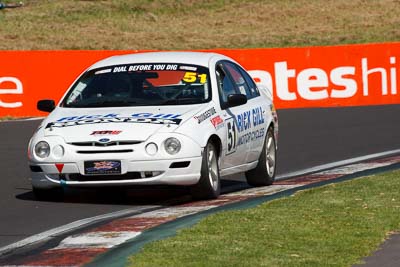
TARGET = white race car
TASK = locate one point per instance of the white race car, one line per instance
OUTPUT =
(178, 118)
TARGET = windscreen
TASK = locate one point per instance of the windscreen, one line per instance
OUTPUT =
(140, 85)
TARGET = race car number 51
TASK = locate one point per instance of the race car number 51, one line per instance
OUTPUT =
(231, 135)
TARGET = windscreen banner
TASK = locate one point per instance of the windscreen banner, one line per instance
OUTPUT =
(306, 77)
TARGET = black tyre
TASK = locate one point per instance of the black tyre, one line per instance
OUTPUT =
(51, 194)
(209, 185)
(264, 173)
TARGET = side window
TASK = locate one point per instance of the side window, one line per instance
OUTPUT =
(225, 85)
(250, 82)
(239, 79)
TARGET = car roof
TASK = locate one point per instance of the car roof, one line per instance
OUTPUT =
(196, 58)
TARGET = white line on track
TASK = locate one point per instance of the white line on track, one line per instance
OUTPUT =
(27, 119)
(73, 226)
(337, 164)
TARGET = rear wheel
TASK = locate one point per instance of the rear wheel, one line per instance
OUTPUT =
(209, 185)
(49, 194)
(264, 173)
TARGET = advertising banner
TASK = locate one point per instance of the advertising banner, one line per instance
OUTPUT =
(331, 76)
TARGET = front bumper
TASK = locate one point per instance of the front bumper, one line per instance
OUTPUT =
(171, 172)
(137, 167)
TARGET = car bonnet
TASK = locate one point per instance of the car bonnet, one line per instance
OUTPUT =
(117, 124)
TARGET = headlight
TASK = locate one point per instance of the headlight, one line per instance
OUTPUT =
(42, 149)
(58, 151)
(151, 149)
(172, 145)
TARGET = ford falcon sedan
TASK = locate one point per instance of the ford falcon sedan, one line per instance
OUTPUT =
(175, 118)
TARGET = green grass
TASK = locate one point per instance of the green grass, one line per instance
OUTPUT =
(8, 118)
(200, 24)
(334, 225)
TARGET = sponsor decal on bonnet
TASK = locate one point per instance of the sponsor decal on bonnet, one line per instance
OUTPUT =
(112, 120)
(116, 115)
(144, 117)
(107, 132)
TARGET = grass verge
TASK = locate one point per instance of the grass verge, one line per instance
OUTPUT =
(8, 118)
(202, 24)
(334, 225)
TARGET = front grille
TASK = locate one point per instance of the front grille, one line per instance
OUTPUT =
(113, 143)
(104, 151)
(86, 178)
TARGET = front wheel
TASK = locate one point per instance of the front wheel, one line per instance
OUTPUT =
(264, 173)
(209, 185)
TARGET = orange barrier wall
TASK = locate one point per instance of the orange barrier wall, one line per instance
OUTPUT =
(351, 75)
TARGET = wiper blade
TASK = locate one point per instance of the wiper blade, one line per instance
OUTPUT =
(180, 101)
(108, 103)
(118, 103)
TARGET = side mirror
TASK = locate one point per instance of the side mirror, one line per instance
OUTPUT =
(46, 105)
(236, 100)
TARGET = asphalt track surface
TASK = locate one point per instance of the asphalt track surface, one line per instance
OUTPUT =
(308, 137)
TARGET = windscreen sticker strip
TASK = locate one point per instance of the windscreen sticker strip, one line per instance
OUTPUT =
(151, 67)
(144, 67)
